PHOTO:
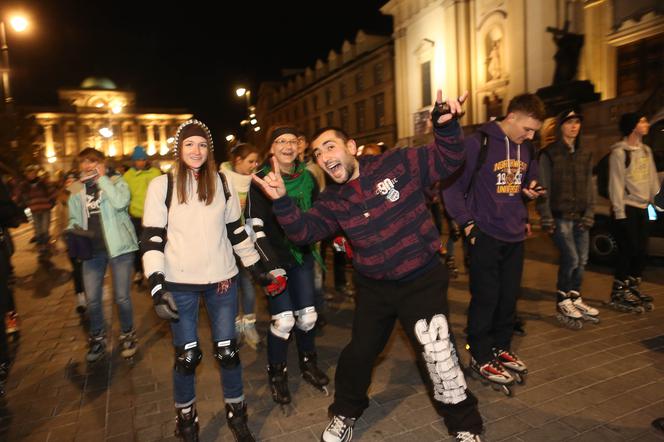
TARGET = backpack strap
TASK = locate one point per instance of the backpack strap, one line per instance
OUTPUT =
(169, 190)
(224, 184)
(481, 158)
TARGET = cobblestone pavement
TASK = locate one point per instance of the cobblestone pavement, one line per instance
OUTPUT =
(603, 383)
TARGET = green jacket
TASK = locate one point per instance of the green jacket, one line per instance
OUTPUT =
(138, 181)
(119, 233)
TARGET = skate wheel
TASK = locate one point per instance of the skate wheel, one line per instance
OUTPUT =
(649, 306)
(518, 378)
(506, 390)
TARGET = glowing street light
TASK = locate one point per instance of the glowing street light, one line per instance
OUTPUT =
(230, 137)
(253, 121)
(257, 128)
(106, 132)
(240, 91)
(19, 22)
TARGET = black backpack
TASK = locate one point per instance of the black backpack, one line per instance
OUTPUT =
(602, 172)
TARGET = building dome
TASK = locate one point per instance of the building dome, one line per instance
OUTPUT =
(98, 83)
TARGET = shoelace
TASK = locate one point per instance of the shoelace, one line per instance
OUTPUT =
(338, 426)
(465, 436)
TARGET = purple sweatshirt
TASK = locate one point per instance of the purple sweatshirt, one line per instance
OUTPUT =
(495, 201)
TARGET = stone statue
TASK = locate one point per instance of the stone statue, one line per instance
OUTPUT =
(493, 62)
(567, 55)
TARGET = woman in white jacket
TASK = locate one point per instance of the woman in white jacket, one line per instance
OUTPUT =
(192, 226)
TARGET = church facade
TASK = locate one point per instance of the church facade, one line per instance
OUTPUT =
(497, 49)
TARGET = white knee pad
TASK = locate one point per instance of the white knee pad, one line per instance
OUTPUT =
(449, 384)
(306, 318)
(282, 324)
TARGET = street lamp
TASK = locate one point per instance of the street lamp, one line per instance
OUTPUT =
(251, 120)
(19, 24)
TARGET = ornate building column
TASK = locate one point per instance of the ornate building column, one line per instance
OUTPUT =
(163, 145)
(152, 149)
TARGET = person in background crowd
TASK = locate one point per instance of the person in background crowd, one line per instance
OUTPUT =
(39, 197)
(138, 177)
(98, 211)
(243, 162)
(64, 193)
(633, 184)
(567, 213)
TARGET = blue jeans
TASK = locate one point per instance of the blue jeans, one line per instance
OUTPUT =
(299, 294)
(246, 291)
(41, 222)
(94, 270)
(221, 309)
(572, 240)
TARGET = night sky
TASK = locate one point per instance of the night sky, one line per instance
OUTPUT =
(186, 54)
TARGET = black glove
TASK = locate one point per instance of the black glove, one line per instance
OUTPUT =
(440, 109)
(274, 281)
(474, 232)
(163, 301)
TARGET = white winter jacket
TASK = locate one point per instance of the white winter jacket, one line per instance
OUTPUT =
(197, 250)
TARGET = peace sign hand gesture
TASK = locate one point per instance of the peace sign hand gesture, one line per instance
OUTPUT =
(272, 184)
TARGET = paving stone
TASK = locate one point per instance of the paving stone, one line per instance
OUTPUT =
(553, 431)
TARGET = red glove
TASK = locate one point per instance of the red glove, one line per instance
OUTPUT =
(341, 244)
(278, 284)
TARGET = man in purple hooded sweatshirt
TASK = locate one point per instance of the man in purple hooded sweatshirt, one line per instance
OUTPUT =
(489, 202)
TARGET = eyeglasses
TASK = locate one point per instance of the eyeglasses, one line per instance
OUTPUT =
(286, 142)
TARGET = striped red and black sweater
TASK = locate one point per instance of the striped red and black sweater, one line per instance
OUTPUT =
(387, 221)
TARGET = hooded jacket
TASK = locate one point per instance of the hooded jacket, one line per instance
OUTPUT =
(635, 185)
(568, 177)
(494, 201)
(138, 181)
(118, 231)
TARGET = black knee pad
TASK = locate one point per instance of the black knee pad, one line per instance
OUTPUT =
(187, 358)
(227, 353)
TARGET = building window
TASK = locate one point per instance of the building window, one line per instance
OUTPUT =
(342, 90)
(314, 101)
(296, 112)
(378, 73)
(343, 118)
(640, 65)
(330, 118)
(328, 96)
(359, 81)
(317, 123)
(360, 118)
(379, 109)
(426, 83)
(305, 107)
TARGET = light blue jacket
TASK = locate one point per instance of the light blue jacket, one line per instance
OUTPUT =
(119, 233)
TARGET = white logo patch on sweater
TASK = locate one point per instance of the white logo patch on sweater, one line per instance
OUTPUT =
(386, 188)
